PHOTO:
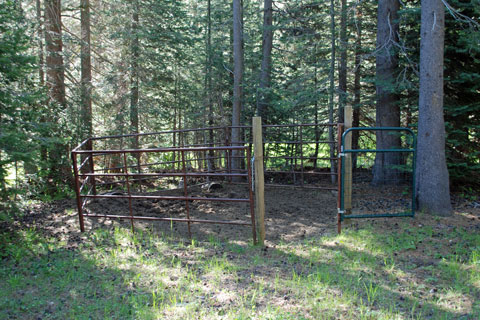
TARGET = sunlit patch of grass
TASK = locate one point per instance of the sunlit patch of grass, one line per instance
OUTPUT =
(364, 274)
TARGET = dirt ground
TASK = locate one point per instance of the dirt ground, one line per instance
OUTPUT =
(291, 215)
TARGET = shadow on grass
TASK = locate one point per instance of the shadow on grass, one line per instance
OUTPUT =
(362, 282)
(62, 284)
(113, 274)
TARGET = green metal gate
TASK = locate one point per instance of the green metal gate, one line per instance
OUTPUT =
(362, 193)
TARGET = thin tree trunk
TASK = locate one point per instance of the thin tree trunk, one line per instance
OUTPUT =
(134, 81)
(388, 110)
(134, 94)
(317, 132)
(210, 162)
(342, 72)
(356, 83)
(41, 35)
(86, 71)
(266, 68)
(432, 174)
(237, 78)
(31, 168)
(332, 89)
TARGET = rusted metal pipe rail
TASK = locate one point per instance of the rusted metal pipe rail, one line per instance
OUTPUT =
(82, 199)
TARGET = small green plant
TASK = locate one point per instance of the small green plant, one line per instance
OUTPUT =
(371, 291)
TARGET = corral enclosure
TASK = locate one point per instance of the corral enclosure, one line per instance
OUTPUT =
(297, 154)
(201, 176)
(181, 169)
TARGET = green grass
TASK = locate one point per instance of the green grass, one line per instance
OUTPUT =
(412, 273)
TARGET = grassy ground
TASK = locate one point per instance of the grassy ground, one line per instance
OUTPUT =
(412, 271)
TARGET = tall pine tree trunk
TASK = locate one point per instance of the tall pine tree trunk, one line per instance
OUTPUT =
(209, 89)
(41, 34)
(432, 174)
(356, 82)
(134, 95)
(55, 80)
(342, 72)
(54, 45)
(30, 168)
(332, 89)
(237, 78)
(134, 81)
(266, 68)
(86, 71)
(388, 110)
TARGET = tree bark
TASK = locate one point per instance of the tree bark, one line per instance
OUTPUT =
(237, 78)
(332, 89)
(388, 110)
(433, 191)
(41, 34)
(266, 68)
(86, 70)
(41, 75)
(211, 163)
(59, 169)
(342, 72)
(134, 82)
(54, 45)
(356, 82)
(134, 94)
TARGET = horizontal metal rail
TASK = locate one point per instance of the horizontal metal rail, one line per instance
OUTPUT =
(301, 158)
(300, 142)
(167, 174)
(223, 128)
(166, 198)
(240, 223)
(103, 152)
(380, 215)
(299, 186)
(305, 172)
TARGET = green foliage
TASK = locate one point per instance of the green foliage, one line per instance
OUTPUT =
(462, 96)
(175, 63)
(17, 99)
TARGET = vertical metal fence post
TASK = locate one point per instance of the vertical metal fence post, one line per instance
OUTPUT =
(339, 176)
(301, 154)
(185, 192)
(347, 163)
(250, 195)
(77, 191)
(92, 166)
(125, 170)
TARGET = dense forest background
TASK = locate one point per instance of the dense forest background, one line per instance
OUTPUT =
(74, 69)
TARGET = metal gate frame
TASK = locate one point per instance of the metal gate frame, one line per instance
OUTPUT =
(344, 152)
(89, 178)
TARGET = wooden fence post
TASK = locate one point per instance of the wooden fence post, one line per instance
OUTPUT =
(259, 179)
(348, 162)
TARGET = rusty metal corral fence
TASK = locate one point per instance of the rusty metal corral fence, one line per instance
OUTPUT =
(86, 185)
(295, 155)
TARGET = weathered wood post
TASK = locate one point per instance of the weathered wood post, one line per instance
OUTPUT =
(347, 192)
(259, 179)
